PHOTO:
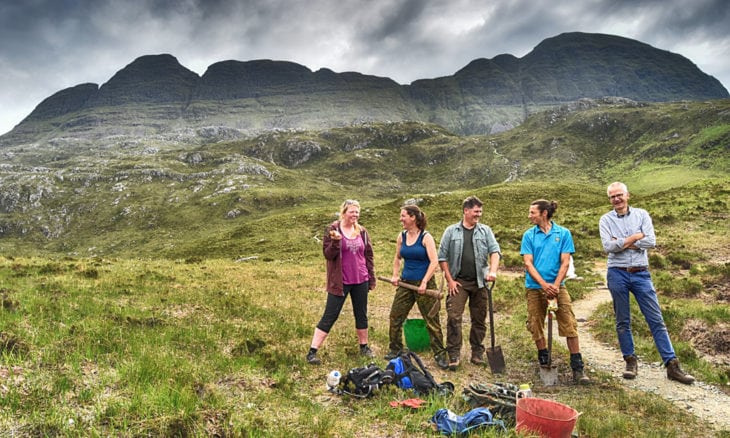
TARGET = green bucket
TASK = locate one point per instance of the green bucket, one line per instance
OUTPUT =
(416, 334)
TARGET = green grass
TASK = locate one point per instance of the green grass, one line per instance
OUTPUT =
(156, 294)
(651, 179)
(147, 197)
(147, 347)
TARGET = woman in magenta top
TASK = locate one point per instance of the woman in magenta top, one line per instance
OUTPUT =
(350, 271)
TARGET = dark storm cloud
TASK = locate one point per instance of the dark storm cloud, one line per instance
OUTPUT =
(393, 22)
(48, 45)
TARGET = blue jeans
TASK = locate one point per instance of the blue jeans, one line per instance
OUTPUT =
(639, 283)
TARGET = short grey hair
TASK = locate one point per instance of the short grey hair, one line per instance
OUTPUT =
(620, 185)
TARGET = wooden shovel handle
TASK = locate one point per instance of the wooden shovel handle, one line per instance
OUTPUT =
(433, 293)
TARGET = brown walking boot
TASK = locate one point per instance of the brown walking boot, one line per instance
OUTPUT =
(576, 363)
(632, 367)
(580, 377)
(674, 372)
(453, 364)
(477, 359)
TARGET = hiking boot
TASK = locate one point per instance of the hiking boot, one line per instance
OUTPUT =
(674, 372)
(366, 351)
(580, 377)
(543, 358)
(477, 359)
(312, 358)
(454, 364)
(441, 361)
(632, 367)
(391, 355)
(576, 364)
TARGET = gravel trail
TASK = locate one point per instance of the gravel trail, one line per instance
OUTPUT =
(705, 401)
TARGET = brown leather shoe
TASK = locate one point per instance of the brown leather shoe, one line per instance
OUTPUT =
(632, 367)
(674, 372)
(477, 359)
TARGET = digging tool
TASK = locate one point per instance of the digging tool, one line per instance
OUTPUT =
(549, 372)
(433, 293)
(494, 353)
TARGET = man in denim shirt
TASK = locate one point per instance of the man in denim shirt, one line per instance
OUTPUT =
(627, 234)
(466, 251)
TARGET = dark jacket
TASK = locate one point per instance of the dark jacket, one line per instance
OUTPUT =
(331, 251)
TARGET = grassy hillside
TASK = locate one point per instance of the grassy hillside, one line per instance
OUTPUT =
(158, 197)
(157, 289)
(211, 346)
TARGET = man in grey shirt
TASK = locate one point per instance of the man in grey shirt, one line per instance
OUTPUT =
(627, 234)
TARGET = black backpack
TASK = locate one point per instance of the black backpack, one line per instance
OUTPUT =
(364, 381)
(410, 373)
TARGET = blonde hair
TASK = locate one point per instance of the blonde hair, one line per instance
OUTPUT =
(347, 204)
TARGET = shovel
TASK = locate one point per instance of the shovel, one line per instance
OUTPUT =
(433, 293)
(494, 354)
(549, 372)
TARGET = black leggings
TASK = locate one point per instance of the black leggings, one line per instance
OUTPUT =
(359, 297)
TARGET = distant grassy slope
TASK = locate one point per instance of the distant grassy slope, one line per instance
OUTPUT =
(587, 141)
(620, 139)
(163, 198)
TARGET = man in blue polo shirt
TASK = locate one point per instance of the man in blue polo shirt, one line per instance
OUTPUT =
(546, 250)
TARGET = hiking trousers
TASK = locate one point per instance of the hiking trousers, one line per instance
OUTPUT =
(476, 296)
(403, 302)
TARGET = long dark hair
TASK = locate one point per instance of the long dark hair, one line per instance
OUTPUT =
(543, 204)
(415, 212)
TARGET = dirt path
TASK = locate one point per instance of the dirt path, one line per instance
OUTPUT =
(705, 401)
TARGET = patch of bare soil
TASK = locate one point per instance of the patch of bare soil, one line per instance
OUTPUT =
(713, 343)
(705, 401)
(720, 292)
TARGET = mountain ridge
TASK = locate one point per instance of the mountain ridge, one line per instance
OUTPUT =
(155, 94)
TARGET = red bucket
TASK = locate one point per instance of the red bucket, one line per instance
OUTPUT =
(545, 417)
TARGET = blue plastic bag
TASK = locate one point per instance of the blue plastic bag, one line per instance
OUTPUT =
(448, 423)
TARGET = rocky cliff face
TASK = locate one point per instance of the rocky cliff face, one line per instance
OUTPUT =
(573, 65)
(231, 80)
(151, 79)
(156, 96)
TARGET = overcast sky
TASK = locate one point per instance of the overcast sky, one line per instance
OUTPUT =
(49, 45)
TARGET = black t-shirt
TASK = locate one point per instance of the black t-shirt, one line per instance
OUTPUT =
(468, 270)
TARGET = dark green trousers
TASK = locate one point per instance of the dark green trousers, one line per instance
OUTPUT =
(403, 303)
